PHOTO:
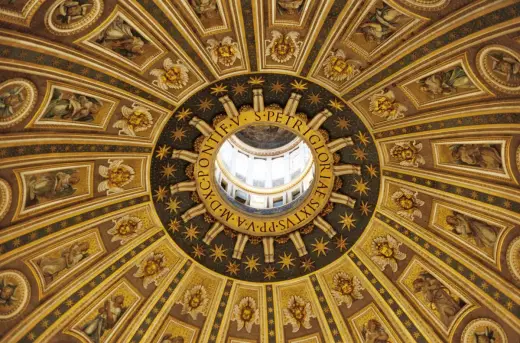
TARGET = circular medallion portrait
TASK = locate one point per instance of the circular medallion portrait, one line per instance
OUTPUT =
(265, 177)
(513, 258)
(14, 293)
(483, 330)
(17, 99)
(71, 17)
(500, 66)
(428, 5)
(5, 198)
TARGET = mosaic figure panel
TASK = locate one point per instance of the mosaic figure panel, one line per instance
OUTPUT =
(370, 326)
(59, 261)
(175, 331)
(44, 188)
(478, 232)
(382, 22)
(436, 297)
(454, 81)
(482, 157)
(122, 39)
(74, 107)
(101, 321)
(209, 13)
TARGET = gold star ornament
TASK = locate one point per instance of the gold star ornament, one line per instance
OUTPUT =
(348, 221)
(232, 268)
(162, 152)
(205, 105)
(307, 264)
(320, 247)
(299, 85)
(183, 114)
(270, 272)
(341, 243)
(337, 105)
(277, 87)
(239, 89)
(174, 225)
(178, 134)
(191, 232)
(160, 193)
(342, 123)
(286, 261)
(365, 208)
(363, 138)
(314, 98)
(219, 89)
(168, 170)
(361, 187)
(252, 263)
(173, 205)
(218, 253)
(360, 154)
(372, 171)
(256, 81)
(198, 251)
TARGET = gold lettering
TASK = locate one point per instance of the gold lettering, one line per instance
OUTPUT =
(216, 206)
(203, 182)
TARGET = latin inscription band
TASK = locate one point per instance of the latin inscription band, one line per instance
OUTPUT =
(255, 225)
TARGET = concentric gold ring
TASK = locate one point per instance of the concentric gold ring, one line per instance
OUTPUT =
(257, 225)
